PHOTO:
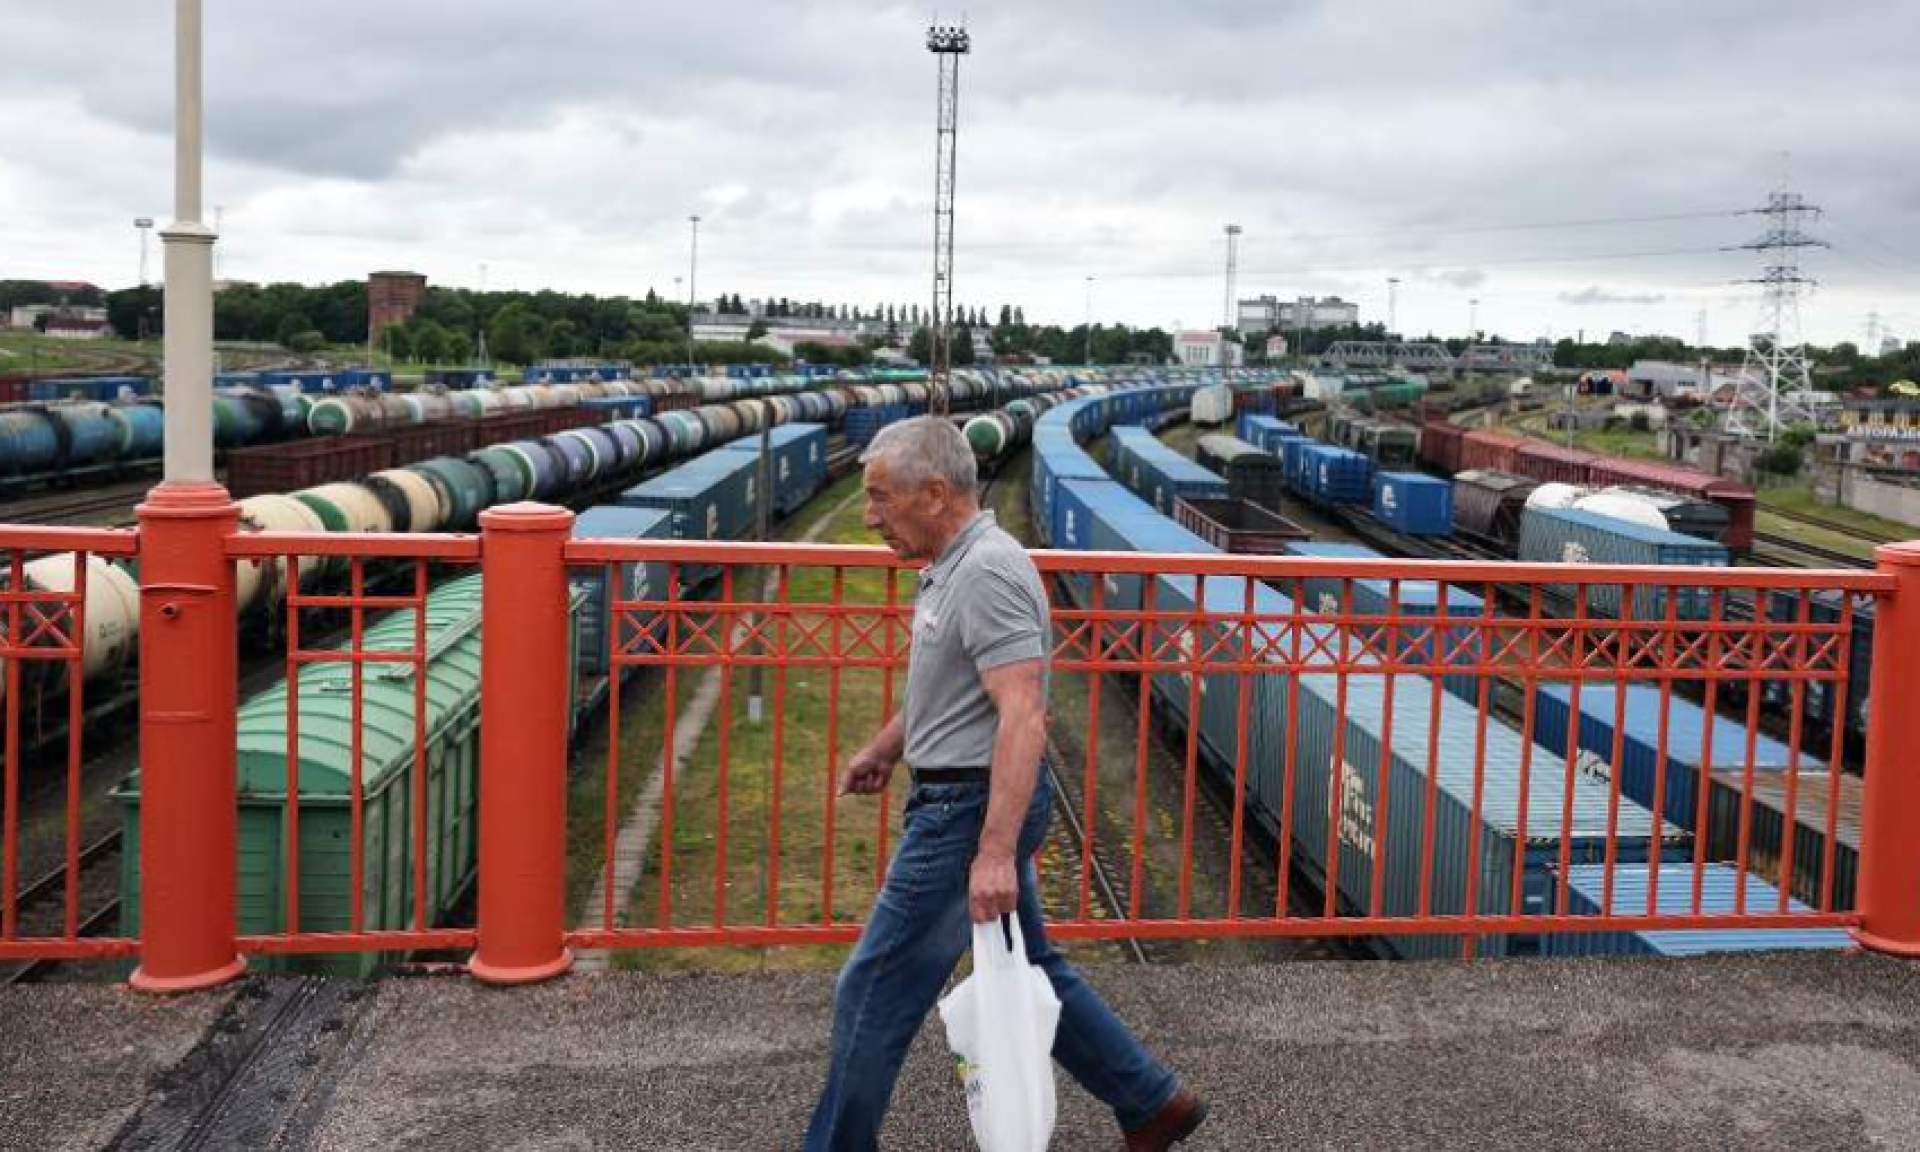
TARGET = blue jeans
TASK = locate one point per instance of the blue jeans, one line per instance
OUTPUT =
(912, 942)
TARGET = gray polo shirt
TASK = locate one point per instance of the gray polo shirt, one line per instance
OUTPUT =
(979, 606)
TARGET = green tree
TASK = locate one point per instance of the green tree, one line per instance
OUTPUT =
(292, 324)
(514, 335)
(456, 348)
(308, 342)
(1783, 459)
(397, 341)
(756, 329)
(563, 339)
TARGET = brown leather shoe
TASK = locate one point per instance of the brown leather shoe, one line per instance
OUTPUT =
(1178, 1119)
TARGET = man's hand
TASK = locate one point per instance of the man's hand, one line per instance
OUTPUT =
(994, 887)
(866, 773)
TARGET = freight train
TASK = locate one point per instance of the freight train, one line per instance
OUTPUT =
(448, 493)
(710, 497)
(1449, 449)
(1386, 739)
(77, 441)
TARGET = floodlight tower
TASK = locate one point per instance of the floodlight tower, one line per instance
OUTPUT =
(143, 224)
(1770, 395)
(948, 43)
(1233, 271)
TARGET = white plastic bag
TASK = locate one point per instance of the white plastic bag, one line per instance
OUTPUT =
(1000, 1023)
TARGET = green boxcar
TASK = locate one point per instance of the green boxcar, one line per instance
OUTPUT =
(452, 714)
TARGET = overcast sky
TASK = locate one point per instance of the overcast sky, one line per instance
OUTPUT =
(1571, 166)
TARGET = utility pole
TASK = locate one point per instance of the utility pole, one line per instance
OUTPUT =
(693, 287)
(1393, 320)
(1086, 355)
(480, 341)
(948, 43)
(1233, 271)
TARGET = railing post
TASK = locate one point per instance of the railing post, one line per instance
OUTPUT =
(188, 670)
(1889, 895)
(523, 744)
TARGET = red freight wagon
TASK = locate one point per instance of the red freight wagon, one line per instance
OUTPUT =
(1440, 446)
(301, 464)
(1735, 497)
(417, 442)
(13, 387)
(561, 419)
(1485, 448)
(503, 427)
(1544, 462)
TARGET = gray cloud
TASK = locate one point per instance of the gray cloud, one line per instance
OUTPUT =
(1513, 151)
(1598, 295)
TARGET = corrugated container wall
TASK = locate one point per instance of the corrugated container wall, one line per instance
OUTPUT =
(1632, 892)
(1567, 536)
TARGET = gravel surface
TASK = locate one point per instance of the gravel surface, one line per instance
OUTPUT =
(1798, 1051)
(76, 1061)
(1788, 1051)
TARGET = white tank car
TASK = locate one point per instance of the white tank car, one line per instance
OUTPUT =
(1623, 506)
(1554, 494)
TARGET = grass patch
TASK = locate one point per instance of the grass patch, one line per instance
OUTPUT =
(743, 883)
(643, 726)
(49, 355)
(1799, 498)
(1620, 442)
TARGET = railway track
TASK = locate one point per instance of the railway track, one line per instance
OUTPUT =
(1777, 546)
(1833, 526)
(92, 890)
(110, 506)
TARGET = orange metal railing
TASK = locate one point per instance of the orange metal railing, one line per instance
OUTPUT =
(56, 871)
(1133, 649)
(1249, 750)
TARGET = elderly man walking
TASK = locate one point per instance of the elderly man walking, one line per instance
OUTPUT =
(972, 731)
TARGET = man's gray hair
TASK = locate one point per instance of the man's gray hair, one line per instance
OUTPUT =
(923, 448)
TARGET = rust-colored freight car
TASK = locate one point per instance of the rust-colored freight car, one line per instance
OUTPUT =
(1545, 462)
(1237, 525)
(1735, 497)
(1483, 448)
(1488, 504)
(1440, 446)
(424, 441)
(300, 464)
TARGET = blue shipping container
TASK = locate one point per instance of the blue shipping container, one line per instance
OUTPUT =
(1056, 458)
(1348, 715)
(1719, 892)
(1329, 475)
(799, 462)
(1568, 536)
(712, 497)
(1158, 474)
(1414, 504)
(1635, 715)
(636, 581)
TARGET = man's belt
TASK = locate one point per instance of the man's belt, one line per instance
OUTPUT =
(952, 775)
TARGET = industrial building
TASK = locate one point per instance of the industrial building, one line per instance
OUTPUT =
(1267, 313)
(1206, 349)
(392, 298)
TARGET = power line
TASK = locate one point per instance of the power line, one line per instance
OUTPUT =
(1303, 270)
